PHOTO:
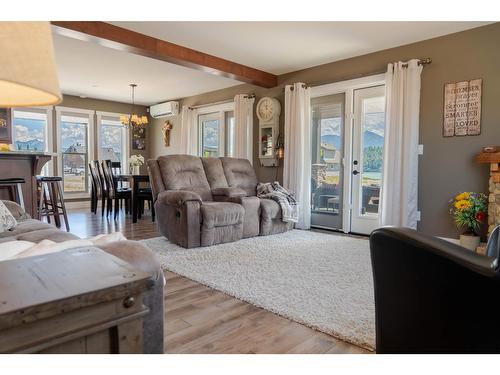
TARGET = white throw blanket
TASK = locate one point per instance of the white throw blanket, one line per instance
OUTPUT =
(286, 200)
(21, 249)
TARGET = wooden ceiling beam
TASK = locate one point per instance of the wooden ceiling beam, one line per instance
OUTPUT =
(121, 39)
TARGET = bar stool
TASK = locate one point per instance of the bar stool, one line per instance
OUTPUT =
(15, 189)
(54, 204)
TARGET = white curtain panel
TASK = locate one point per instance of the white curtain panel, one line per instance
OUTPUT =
(399, 194)
(297, 161)
(243, 130)
(189, 136)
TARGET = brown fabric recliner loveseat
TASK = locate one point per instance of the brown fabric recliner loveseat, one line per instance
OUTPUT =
(207, 201)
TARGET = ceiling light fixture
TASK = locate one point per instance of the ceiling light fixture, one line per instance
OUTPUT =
(133, 119)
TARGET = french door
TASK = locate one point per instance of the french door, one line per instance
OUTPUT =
(367, 157)
(347, 157)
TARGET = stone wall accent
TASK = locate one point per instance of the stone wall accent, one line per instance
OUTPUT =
(493, 204)
(491, 155)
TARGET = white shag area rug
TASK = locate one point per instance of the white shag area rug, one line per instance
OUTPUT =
(321, 280)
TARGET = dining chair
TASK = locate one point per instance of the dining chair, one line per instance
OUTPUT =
(96, 187)
(116, 167)
(114, 193)
(102, 184)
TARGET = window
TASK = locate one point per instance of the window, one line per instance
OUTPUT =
(74, 134)
(216, 130)
(113, 140)
(32, 131)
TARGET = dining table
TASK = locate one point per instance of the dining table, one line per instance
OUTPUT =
(135, 181)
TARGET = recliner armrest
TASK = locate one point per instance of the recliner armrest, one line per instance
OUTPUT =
(229, 192)
(178, 197)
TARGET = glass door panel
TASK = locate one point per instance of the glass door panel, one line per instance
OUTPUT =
(210, 135)
(327, 155)
(368, 146)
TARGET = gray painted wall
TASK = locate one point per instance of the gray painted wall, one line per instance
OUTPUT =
(447, 165)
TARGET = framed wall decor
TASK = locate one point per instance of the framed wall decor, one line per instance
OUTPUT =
(139, 144)
(462, 108)
(138, 138)
(5, 126)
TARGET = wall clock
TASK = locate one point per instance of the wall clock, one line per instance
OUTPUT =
(268, 112)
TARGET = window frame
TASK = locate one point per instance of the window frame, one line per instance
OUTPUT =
(126, 137)
(49, 130)
(89, 116)
(219, 111)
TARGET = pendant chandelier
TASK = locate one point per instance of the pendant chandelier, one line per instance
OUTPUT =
(133, 119)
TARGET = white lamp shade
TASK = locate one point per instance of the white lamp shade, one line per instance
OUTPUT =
(28, 73)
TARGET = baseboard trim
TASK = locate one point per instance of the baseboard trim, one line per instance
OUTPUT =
(71, 205)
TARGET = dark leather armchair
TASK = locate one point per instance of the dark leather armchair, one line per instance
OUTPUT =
(432, 296)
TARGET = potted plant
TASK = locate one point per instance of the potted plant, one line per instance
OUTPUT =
(469, 212)
(135, 162)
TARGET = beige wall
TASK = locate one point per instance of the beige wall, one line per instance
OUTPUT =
(156, 143)
(447, 165)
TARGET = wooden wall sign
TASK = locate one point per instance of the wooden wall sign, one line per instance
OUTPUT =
(462, 108)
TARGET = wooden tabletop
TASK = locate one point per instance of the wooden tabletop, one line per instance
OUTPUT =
(39, 287)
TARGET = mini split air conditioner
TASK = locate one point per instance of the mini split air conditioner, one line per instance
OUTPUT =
(164, 109)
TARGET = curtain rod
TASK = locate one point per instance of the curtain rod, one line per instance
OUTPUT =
(220, 102)
(423, 62)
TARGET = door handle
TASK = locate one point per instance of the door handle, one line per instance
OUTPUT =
(355, 172)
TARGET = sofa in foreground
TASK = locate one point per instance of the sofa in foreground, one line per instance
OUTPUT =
(208, 201)
(132, 252)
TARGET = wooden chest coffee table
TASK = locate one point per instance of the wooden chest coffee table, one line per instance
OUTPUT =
(74, 301)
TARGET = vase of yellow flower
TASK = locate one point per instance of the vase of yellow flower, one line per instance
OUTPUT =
(469, 212)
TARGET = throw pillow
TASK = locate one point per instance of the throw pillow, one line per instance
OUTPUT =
(7, 220)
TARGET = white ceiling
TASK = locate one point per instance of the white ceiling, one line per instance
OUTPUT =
(282, 47)
(88, 69)
(276, 47)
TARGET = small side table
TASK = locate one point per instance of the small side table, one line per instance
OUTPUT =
(74, 301)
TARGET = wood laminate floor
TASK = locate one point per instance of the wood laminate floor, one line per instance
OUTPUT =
(203, 320)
